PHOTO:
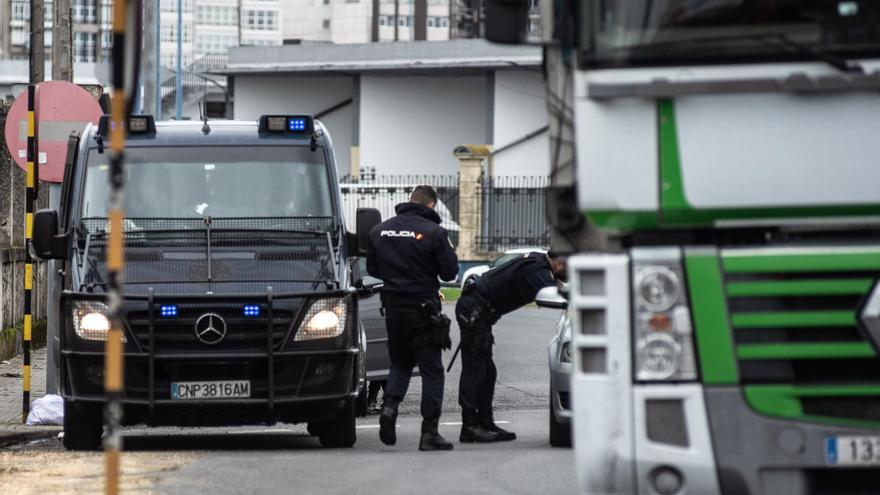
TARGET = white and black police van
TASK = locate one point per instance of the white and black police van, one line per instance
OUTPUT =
(240, 299)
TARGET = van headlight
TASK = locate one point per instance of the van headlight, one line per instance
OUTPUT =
(662, 330)
(325, 319)
(91, 320)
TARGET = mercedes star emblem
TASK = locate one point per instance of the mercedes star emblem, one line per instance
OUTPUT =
(210, 328)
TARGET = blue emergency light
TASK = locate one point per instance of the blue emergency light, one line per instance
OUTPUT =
(251, 310)
(296, 124)
(287, 125)
(168, 310)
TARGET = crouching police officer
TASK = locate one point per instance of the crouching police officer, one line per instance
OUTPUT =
(408, 252)
(497, 292)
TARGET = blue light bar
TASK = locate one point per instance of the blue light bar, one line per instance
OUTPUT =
(168, 310)
(296, 124)
(251, 310)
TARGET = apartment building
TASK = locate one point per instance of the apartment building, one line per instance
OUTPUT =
(363, 21)
(209, 27)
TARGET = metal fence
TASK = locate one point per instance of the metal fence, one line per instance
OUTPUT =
(513, 213)
(512, 207)
(384, 192)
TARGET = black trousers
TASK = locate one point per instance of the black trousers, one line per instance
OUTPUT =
(406, 327)
(476, 388)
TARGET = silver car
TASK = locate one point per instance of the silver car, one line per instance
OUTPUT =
(560, 359)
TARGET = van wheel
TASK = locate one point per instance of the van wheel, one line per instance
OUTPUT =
(362, 402)
(340, 431)
(560, 434)
(83, 425)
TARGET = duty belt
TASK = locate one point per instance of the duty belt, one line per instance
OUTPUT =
(470, 289)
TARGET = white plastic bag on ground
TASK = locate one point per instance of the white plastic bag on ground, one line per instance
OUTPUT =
(47, 410)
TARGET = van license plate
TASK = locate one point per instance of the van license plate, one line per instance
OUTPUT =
(234, 389)
(852, 451)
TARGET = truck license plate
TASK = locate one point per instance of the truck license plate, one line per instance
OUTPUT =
(233, 389)
(852, 451)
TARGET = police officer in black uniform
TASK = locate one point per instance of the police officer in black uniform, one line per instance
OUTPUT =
(408, 252)
(497, 292)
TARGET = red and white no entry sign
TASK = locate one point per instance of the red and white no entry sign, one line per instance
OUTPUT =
(62, 108)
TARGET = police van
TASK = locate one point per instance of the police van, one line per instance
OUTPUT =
(240, 284)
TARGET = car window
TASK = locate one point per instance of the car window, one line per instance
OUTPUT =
(504, 258)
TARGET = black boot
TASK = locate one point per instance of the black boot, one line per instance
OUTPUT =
(487, 421)
(471, 431)
(431, 439)
(388, 423)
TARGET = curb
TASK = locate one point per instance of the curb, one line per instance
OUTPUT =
(27, 434)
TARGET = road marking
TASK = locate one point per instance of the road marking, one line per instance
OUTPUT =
(361, 427)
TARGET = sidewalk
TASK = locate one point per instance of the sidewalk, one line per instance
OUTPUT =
(12, 429)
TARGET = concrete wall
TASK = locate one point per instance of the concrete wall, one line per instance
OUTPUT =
(411, 124)
(259, 95)
(519, 107)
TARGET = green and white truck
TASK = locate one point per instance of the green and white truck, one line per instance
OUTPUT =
(716, 167)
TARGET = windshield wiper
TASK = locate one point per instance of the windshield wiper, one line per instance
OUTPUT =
(840, 63)
(774, 40)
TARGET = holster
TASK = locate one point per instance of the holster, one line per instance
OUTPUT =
(434, 330)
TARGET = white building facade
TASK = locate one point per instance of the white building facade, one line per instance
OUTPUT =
(401, 108)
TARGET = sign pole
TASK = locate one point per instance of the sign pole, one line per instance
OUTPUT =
(113, 350)
(33, 154)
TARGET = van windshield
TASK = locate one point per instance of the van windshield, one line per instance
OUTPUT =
(223, 182)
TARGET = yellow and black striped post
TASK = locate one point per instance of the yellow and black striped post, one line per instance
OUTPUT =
(30, 198)
(114, 348)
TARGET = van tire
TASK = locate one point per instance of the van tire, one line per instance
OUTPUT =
(340, 431)
(560, 434)
(83, 425)
(362, 402)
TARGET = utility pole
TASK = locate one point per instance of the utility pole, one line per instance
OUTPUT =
(62, 47)
(150, 53)
(178, 90)
(62, 70)
(396, 22)
(38, 46)
(420, 20)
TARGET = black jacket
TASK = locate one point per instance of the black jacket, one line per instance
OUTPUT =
(409, 251)
(516, 283)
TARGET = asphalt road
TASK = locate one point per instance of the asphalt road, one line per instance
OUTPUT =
(285, 459)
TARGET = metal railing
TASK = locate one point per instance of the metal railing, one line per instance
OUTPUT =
(513, 213)
(512, 208)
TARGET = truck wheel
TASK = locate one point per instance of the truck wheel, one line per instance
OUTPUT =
(560, 434)
(83, 426)
(340, 432)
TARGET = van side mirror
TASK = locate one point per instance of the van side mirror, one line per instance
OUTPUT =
(47, 243)
(549, 297)
(507, 21)
(366, 219)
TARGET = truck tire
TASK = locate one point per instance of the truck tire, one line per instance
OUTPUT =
(340, 431)
(560, 434)
(83, 425)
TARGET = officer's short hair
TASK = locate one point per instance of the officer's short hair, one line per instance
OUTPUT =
(423, 195)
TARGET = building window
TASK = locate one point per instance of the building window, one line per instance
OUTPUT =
(84, 46)
(326, 23)
(21, 10)
(85, 11)
(262, 20)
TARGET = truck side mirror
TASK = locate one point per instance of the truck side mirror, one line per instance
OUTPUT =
(367, 218)
(507, 21)
(47, 243)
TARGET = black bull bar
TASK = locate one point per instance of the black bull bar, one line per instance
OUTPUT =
(346, 346)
